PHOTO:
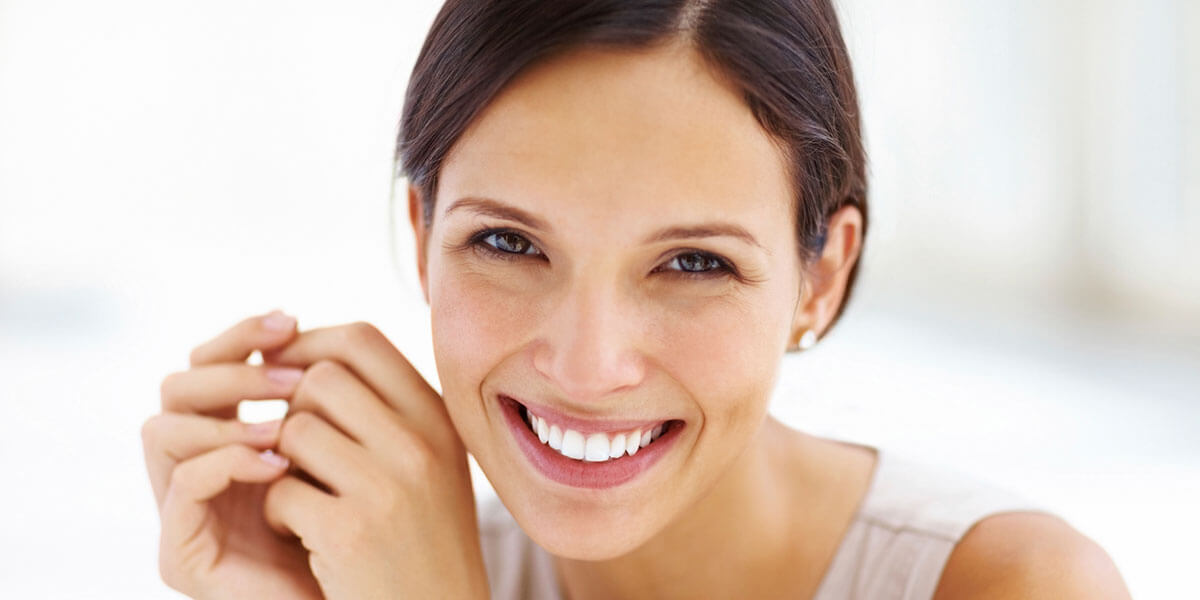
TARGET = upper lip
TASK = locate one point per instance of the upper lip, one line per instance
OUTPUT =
(583, 425)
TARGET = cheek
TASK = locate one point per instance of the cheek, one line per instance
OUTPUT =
(726, 354)
(474, 325)
(722, 357)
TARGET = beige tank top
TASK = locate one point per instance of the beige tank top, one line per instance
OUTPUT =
(895, 548)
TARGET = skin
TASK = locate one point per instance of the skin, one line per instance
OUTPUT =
(604, 149)
(357, 516)
(608, 148)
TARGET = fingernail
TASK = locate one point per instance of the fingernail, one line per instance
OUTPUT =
(273, 459)
(277, 321)
(264, 428)
(284, 375)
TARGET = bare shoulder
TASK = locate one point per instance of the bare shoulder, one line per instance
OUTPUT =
(1028, 555)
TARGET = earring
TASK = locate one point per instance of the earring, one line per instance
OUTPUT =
(808, 340)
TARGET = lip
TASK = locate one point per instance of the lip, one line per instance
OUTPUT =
(586, 426)
(584, 474)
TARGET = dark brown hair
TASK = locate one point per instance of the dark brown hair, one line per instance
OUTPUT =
(786, 56)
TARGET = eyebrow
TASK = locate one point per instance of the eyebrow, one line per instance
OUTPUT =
(500, 210)
(704, 230)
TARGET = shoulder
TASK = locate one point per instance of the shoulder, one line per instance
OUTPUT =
(1019, 554)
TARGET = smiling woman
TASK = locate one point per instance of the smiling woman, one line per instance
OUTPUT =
(642, 204)
(625, 212)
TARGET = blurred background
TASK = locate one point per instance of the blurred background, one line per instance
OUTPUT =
(1028, 310)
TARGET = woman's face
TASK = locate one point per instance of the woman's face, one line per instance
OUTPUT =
(612, 249)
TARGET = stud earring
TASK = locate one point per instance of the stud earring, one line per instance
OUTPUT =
(807, 340)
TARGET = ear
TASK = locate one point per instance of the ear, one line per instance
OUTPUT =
(416, 216)
(824, 286)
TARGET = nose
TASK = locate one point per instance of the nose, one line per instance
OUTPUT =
(588, 347)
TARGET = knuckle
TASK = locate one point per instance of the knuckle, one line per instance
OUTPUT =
(320, 568)
(183, 477)
(172, 571)
(423, 460)
(361, 332)
(304, 422)
(272, 497)
(197, 355)
(151, 429)
(419, 456)
(323, 372)
(166, 571)
(295, 428)
(168, 389)
(317, 379)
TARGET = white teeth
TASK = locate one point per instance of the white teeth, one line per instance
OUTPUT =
(572, 444)
(597, 448)
(618, 446)
(594, 447)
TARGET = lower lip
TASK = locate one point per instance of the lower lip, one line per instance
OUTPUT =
(580, 473)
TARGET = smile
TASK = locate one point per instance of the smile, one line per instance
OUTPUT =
(595, 447)
(583, 453)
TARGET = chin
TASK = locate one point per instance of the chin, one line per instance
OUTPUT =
(572, 532)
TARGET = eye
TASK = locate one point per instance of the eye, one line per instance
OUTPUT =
(698, 264)
(504, 243)
(695, 262)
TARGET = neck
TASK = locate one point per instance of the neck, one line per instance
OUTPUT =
(753, 518)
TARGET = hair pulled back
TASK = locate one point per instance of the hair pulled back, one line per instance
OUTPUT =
(787, 57)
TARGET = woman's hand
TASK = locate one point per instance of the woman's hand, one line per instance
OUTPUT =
(209, 480)
(397, 515)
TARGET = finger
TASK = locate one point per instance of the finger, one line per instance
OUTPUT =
(196, 481)
(293, 507)
(235, 344)
(370, 356)
(329, 390)
(170, 438)
(207, 389)
(325, 453)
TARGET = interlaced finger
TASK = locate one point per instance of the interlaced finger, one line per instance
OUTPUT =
(235, 344)
(213, 389)
(171, 438)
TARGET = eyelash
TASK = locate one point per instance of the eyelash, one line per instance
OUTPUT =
(724, 268)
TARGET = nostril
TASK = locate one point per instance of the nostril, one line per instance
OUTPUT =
(587, 379)
(587, 360)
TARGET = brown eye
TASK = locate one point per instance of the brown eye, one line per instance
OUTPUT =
(510, 242)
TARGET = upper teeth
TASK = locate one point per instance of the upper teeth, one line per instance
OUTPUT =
(593, 447)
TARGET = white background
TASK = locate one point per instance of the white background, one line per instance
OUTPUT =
(1029, 309)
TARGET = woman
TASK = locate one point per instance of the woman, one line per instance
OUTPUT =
(624, 213)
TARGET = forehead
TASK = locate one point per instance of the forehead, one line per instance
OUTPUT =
(603, 132)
